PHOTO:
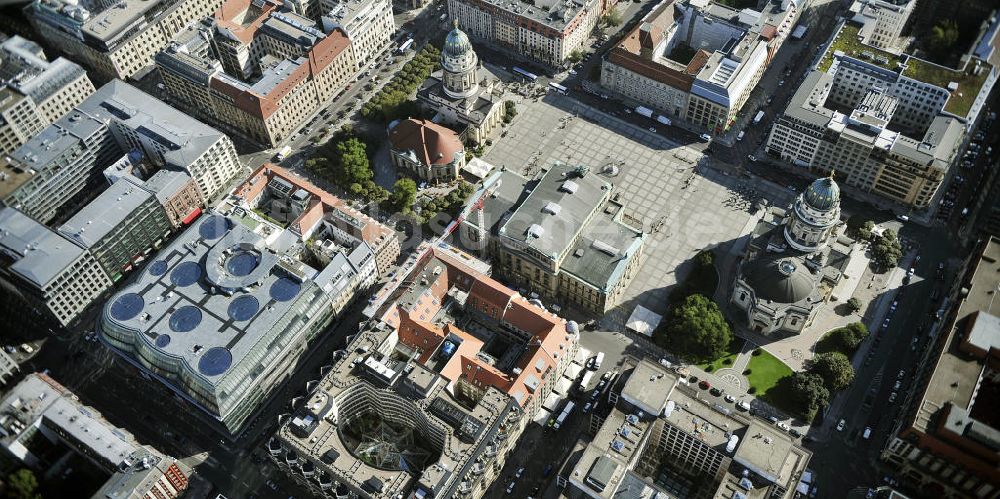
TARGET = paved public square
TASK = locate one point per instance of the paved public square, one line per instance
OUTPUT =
(682, 210)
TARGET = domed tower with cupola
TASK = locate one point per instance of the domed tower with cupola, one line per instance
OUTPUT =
(814, 216)
(459, 65)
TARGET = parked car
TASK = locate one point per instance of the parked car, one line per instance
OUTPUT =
(729, 398)
(892, 397)
(704, 385)
(705, 137)
(841, 425)
(783, 425)
(519, 472)
(902, 372)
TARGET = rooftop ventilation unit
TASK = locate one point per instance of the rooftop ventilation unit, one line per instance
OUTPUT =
(551, 208)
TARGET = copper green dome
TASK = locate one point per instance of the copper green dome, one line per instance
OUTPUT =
(823, 194)
(457, 42)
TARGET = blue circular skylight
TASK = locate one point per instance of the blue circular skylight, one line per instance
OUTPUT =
(242, 263)
(243, 308)
(162, 340)
(127, 306)
(215, 361)
(185, 319)
(158, 268)
(185, 274)
(285, 289)
(213, 227)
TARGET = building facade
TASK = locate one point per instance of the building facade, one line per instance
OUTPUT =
(114, 39)
(427, 150)
(368, 24)
(60, 170)
(891, 125)
(119, 227)
(45, 277)
(793, 261)
(884, 20)
(939, 445)
(39, 413)
(697, 61)
(654, 427)
(35, 92)
(545, 32)
(561, 236)
(256, 70)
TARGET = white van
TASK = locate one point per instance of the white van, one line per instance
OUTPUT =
(867, 433)
(739, 137)
(595, 363)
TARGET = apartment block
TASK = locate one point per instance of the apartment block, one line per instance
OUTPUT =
(544, 31)
(367, 23)
(45, 277)
(114, 40)
(890, 125)
(562, 235)
(454, 361)
(35, 92)
(41, 419)
(658, 438)
(883, 19)
(119, 227)
(942, 444)
(60, 169)
(256, 70)
(696, 60)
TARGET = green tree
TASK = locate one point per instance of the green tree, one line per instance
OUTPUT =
(404, 193)
(575, 56)
(845, 340)
(808, 394)
(612, 19)
(943, 36)
(352, 162)
(22, 484)
(854, 304)
(835, 369)
(886, 250)
(859, 227)
(696, 329)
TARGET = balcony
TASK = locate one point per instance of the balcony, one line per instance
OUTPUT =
(308, 469)
(491, 451)
(478, 469)
(325, 482)
(291, 458)
(274, 446)
(465, 488)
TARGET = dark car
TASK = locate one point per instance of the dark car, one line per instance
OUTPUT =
(704, 385)
(715, 391)
(795, 433)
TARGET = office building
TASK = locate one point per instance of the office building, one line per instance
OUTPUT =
(35, 92)
(658, 438)
(544, 31)
(60, 170)
(696, 60)
(120, 227)
(561, 236)
(890, 125)
(431, 397)
(428, 151)
(943, 443)
(883, 20)
(793, 262)
(179, 195)
(256, 70)
(8, 367)
(223, 314)
(367, 23)
(114, 40)
(463, 94)
(40, 418)
(45, 277)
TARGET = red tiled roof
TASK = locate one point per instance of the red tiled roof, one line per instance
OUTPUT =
(432, 143)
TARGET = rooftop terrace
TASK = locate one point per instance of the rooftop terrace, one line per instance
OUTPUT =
(849, 43)
(969, 81)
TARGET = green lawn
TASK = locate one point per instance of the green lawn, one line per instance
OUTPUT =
(734, 350)
(765, 371)
(969, 84)
(848, 43)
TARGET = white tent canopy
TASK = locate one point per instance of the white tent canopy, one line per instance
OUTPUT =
(643, 320)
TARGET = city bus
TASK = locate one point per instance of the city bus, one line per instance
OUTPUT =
(559, 88)
(527, 75)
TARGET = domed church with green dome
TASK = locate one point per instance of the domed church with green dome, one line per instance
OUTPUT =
(794, 260)
(465, 95)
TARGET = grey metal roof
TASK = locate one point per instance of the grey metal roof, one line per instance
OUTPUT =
(24, 67)
(806, 104)
(602, 252)
(183, 138)
(783, 280)
(109, 210)
(166, 183)
(551, 234)
(40, 254)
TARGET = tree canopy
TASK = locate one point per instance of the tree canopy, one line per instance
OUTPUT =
(696, 329)
(808, 393)
(404, 193)
(845, 340)
(835, 369)
(22, 484)
(886, 250)
(860, 227)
